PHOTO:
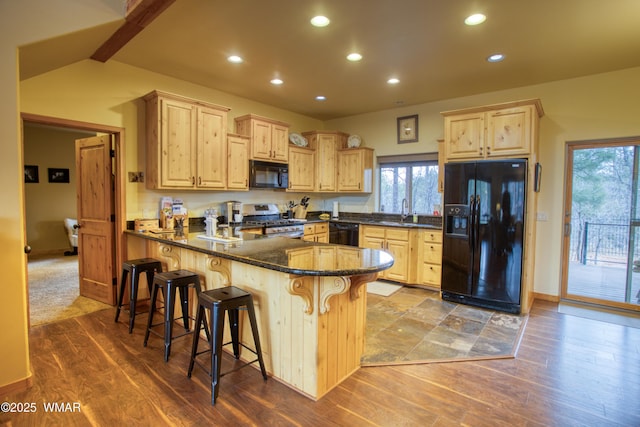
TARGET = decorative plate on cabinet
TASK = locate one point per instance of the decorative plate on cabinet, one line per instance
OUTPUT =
(297, 139)
(354, 141)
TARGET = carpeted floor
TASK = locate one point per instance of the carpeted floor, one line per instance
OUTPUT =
(54, 290)
(414, 325)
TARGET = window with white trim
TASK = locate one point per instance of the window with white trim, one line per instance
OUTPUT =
(414, 178)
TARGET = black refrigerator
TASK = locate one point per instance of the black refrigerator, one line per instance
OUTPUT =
(484, 216)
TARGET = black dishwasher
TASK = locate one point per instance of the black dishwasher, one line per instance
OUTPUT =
(343, 233)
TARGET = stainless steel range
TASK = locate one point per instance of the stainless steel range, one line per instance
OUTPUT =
(267, 217)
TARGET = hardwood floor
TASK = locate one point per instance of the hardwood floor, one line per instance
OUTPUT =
(569, 371)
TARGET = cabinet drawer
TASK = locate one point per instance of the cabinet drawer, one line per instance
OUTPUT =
(433, 236)
(431, 274)
(433, 253)
(322, 227)
(374, 232)
(398, 234)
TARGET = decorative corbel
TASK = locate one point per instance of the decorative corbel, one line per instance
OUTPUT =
(302, 288)
(166, 251)
(358, 281)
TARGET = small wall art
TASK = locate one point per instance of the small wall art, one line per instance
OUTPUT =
(31, 174)
(408, 129)
(57, 175)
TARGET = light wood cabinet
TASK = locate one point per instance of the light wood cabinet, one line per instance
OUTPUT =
(494, 131)
(269, 139)
(326, 144)
(186, 143)
(394, 240)
(316, 232)
(430, 258)
(301, 168)
(355, 170)
(238, 162)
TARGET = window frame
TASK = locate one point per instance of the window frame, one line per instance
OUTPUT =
(406, 161)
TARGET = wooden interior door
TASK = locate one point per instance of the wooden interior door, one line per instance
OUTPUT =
(96, 233)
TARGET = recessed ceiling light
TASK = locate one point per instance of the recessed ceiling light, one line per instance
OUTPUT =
(475, 19)
(496, 57)
(320, 21)
(235, 59)
(321, 98)
(354, 57)
(393, 81)
(276, 82)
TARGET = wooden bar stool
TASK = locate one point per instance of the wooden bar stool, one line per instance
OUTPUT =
(167, 283)
(136, 267)
(218, 301)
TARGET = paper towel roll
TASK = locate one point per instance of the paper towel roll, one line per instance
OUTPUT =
(335, 210)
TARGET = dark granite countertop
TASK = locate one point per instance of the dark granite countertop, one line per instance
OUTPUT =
(293, 256)
(431, 222)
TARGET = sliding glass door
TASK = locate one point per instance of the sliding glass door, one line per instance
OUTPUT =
(601, 250)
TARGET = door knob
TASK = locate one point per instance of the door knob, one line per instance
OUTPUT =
(27, 249)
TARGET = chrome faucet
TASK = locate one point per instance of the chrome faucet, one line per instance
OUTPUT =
(404, 212)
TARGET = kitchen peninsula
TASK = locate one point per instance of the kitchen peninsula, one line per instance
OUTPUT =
(309, 297)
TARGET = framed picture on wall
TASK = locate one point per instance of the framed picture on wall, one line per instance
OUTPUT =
(58, 175)
(31, 174)
(408, 129)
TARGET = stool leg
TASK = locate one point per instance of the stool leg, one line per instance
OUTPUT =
(196, 338)
(233, 326)
(133, 297)
(152, 307)
(184, 303)
(217, 319)
(198, 289)
(150, 274)
(123, 285)
(256, 337)
(169, 312)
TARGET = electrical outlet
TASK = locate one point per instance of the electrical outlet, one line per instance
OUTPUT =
(542, 216)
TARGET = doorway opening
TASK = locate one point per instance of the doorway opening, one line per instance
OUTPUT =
(118, 215)
(601, 240)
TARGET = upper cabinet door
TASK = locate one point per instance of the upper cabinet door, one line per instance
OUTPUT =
(509, 131)
(464, 136)
(261, 141)
(494, 131)
(177, 133)
(269, 139)
(186, 143)
(211, 148)
(280, 143)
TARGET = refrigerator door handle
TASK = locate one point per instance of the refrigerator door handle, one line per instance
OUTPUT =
(471, 221)
(476, 225)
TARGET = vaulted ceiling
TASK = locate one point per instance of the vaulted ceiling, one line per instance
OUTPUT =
(423, 43)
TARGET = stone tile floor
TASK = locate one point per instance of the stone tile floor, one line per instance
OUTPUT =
(414, 325)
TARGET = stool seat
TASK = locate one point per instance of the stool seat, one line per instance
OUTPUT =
(229, 299)
(167, 283)
(136, 267)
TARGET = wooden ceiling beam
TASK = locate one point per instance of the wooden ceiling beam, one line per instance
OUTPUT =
(139, 15)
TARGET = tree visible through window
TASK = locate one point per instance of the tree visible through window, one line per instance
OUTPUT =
(416, 181)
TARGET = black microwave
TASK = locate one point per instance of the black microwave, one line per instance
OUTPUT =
(268, 175)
